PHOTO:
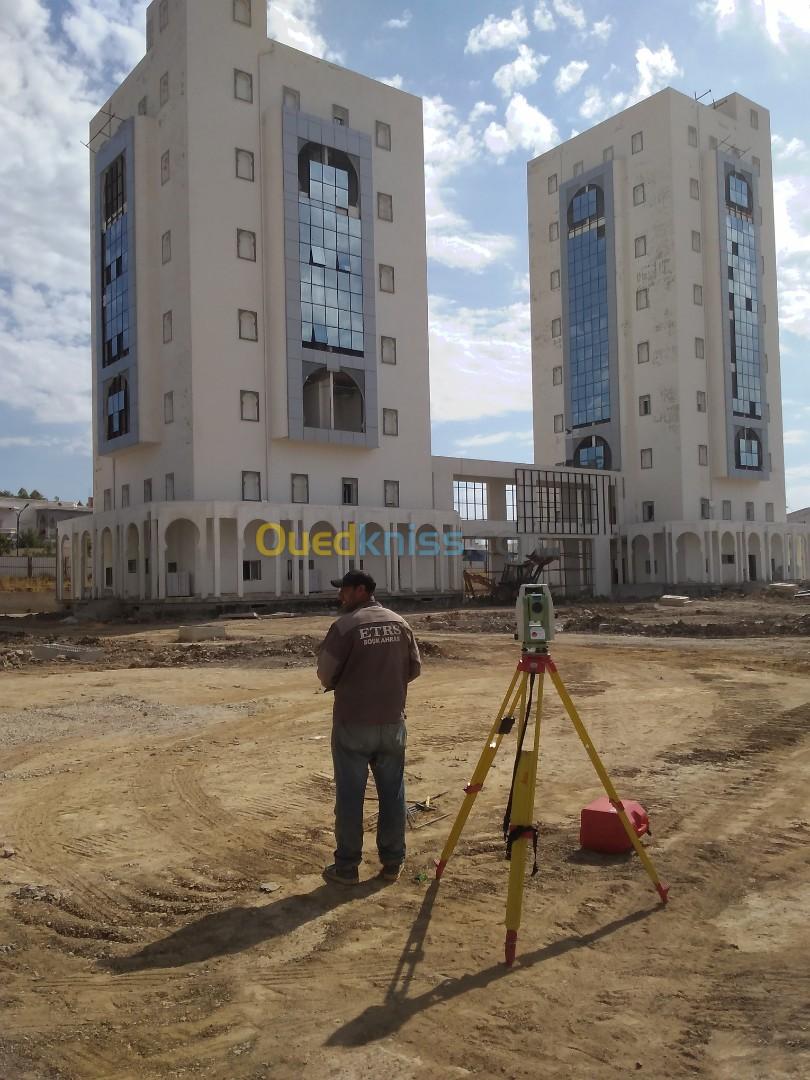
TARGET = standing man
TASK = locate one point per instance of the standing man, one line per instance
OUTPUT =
(368, 658)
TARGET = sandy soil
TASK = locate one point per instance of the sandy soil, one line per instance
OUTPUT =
(147, 805)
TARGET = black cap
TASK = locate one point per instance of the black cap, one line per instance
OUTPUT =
(356, 577)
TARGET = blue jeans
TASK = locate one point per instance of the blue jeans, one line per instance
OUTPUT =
(355, 748)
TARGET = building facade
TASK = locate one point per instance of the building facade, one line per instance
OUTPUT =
(655, 347)
(259, 312)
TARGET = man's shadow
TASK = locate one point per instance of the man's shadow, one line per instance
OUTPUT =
(236, 929)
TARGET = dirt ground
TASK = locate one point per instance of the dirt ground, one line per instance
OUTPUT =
(149, 795)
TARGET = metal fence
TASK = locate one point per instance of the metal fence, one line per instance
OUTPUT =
(27, 566)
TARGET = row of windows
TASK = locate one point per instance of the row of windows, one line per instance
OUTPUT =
(252, 490)
(471, 497)
(648, 514)
(249, 410)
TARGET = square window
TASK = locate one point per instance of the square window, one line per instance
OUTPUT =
(648, 511)
(168, 407)
(644, 405)
(641, 246)
(383, 135)
(385, 207)
(749, 512)
(391, 492)
(340, 115)
(348, 489)
(696, 244)
(769, 511)
(386, 278)
(243, 86)
(164, 89)
(555, 279)
(700, 348)
(694, 188)
(643, 352)
(124, 495)
(245, 165)
(168, 330)
(705, 509)
(248, 325)
(165, 168)
(692, 135)
(108, 498)
(147, 491)
(697, 295)
(701, 401)
(246, 244)
(556, 328)
(390, 422)
(754, 117)
(607, 154)
(726, 509)
(638, 195)
(646, 458)
(300, 487)
(579, 168)
(241, 12)
(637, 142)
(557, 375)
(388, 350)
(251, 487)
(166, 247)
(249, 405)
(164, 14)
(642, 299)
(552, 184)
(143, 106)
(291, 98)
(169, 488)
(703, 454)
(559, 423)
(554, 230)
(251, 570)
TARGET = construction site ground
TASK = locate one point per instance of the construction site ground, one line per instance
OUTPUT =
(166, 811)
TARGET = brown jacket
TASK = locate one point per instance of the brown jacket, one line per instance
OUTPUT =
(368, 658)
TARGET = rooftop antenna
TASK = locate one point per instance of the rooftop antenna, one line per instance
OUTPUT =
(110, 116)
(703, 95)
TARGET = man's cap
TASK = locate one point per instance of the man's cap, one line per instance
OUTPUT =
(356, 577)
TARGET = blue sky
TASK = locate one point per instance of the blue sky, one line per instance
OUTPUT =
(501, 82)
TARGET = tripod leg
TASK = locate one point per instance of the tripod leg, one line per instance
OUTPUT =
(521, 830)
(479, 775)
(660, 886)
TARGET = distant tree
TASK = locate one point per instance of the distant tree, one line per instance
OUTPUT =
(29, 539)
(23, 494)
(6, 494)
(6, 544)
(36, 495)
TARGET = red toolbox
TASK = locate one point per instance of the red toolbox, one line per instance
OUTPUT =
(600, 827)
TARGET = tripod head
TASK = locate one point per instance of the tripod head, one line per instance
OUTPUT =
(534, 615)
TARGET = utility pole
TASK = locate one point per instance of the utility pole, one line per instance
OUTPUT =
(19, 515)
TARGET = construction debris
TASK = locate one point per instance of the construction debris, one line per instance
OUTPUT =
(672, 600)
(188, 634)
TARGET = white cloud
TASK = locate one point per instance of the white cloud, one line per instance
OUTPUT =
(569, 75)
(796, 437)
(523, 71)
(572, 12)
(480, 110)
(496, 438)
(655, 69)
(543, 19)
(777, 17)
(402, 23)
(392, 80)
(295, 23)
(451, 146)
(495, 33)
(788, 153)
(77, 445)
(603, 29)
(593, 105)
(797, 482)
(484, 352)
(791, 198)
(525, 128)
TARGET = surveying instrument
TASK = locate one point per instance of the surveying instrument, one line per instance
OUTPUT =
(535, 629)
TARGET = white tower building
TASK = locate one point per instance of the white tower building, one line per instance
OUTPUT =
(655, 346)
(259, 309)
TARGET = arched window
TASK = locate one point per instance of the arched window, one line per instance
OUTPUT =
(334, 401)
(117, 408)
(592, 453)
(587, 206)
(738, 192)
(328, 176)
(747, 449)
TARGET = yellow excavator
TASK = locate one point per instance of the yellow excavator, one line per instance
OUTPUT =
(486, 585)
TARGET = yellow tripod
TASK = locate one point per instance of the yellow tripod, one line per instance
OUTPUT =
(518, 824)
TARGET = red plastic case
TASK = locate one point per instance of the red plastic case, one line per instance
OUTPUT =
(601, 829)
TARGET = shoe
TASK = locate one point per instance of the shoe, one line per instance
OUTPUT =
(342, 876)
(392, 873)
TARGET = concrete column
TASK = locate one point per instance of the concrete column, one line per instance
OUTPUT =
(412, 554)
(278, 563)
(154, 559)
(142, 556)
(709, 537)
(602, 566)
(161, 561)
(673, 558)
(240, 555)
(390, 562)
(703, 569)
(116, 560)
(766, 557)
(98, 565)
(59, 581)
(217, 556)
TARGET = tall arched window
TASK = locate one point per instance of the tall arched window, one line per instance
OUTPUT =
(333, 400)
(747, 449)
(117, 408)
(592, 453)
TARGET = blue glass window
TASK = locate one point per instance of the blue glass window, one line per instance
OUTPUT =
(743, 304)
(114, 264)
(117, 402)
(747, 449)
(593, 453)
(330, 259)
(588, 327)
